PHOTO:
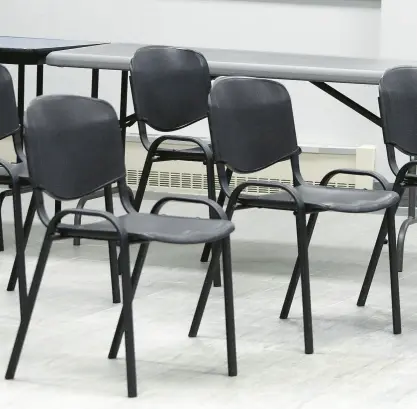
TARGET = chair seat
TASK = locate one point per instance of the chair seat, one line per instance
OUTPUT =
(322, 198)
(161, 228)
(20, 169)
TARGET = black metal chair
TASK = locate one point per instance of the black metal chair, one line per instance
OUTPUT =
(15, 178)
(398, 104)
(170, 87)
(252, 127)
(64, 136)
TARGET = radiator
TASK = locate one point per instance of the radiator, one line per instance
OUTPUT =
(189, 177)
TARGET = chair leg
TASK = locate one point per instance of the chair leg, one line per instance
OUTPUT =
(211, 192)
(26, 232)
(20, 246)
(373, 262)
(302, 242)
(230, 209)
(29, 306)
(143, 181)
(77, 218)
(401, 240)
(296, 272)
(128, 321)
(229, 308)
(3, 195)
(393, 263)
(205, 291)
(114, 271)
(411, 219)
(220, 200)
(137, 270)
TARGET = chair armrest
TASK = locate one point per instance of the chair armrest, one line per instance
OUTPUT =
(10, 170)
(288, 188)
(402, 173)
(190, 199)
(381, 179)
(203, 145)
(129, 121)
(110, 217)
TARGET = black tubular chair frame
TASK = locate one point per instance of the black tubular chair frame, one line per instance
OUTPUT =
(237, 200)
(118, 234)
(15, 182)
(156, 152)
(394, 113)
(409, 180)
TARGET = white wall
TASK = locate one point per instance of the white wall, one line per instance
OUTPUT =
(341, 27)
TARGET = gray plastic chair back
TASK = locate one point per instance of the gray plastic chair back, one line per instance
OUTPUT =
(251, 123)
(73, 145)
(170, 87)
(9, 118)
(398, 105)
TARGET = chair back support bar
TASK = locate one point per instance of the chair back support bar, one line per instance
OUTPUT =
(73, 144)
(170, 87)
(9, 119)
(251, 123)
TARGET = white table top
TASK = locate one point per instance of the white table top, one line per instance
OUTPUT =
(117, 56)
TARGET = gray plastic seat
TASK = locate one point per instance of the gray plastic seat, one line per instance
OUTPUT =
(74, 148)
(165, 229)
(324, 198)
(252, 128)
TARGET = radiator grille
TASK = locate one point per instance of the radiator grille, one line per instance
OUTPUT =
(197, 182)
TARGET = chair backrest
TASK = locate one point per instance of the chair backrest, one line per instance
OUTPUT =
(9, 118)
(398, 106)
(170, 87)
(73, 145)
(251, 123)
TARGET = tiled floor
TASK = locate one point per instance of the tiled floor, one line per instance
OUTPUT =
(358, 362)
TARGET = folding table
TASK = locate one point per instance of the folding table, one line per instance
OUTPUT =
(24, 51)
(318, 70)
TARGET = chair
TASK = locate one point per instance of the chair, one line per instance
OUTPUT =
(170, 87)
(252, 127)
(398, 104)
(15, 178)
(64, 136)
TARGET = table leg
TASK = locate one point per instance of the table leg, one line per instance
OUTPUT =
(21, 92)
(123, 104)
(39, 80)
(94, 82)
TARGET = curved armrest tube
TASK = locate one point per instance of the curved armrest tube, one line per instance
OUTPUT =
(402, 173)
(190, 199)
(130, 120)
(110, 217)
(381, 179)
(288, 188)
(9, 169)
